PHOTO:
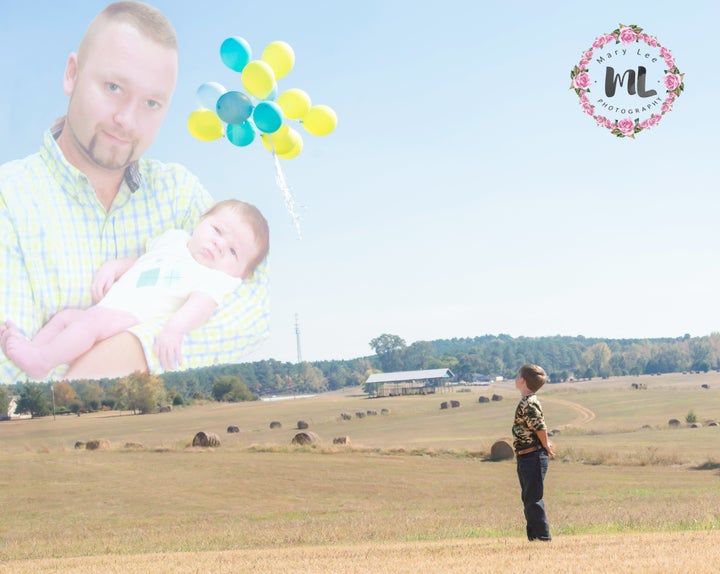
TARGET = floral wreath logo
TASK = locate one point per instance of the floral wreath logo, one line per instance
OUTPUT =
(626, 37)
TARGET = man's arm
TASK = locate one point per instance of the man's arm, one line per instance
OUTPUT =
(116, 356)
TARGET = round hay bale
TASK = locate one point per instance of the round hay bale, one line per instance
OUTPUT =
(166, 409)
(454, 404)
(360, 414)
(497, 397)
(443, 405)
(346, 416)
(233, 429)
(712, 424)
(341, 440)
(555, 431)
(372, 413)
(134, 445)
(696, 425)
(674, 423)
(98, 444)
(302, 425)
(275, 425)
(384, 412)
(303, 438)
(705, 386)
(79, 444)
(483, 399)
(501, 450)
(206, 439)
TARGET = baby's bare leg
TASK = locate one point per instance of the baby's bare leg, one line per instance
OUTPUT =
(55, 325)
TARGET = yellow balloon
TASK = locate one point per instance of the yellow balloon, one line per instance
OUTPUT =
(294, 103)
(282, 141)
(294, 152)
(320, 120)
(258, 78)
(205, 125)
(281, 58)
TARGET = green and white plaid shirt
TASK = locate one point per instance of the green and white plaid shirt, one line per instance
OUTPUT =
(55, 233)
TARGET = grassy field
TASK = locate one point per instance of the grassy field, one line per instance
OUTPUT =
(414, 489)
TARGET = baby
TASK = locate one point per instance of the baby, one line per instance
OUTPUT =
(183, 277)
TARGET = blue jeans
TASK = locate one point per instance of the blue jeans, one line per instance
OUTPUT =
(531, 469)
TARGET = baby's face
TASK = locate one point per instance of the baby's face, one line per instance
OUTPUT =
(224, 242)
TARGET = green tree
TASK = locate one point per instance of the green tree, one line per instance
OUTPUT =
(4, 401)
(231, 389)
(35, 399)
(140, 392)
(389, 350)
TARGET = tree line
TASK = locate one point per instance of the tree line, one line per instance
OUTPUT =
(470, 359)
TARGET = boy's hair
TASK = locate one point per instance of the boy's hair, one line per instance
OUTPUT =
(534, 376)
(146, 19)
(251, 215)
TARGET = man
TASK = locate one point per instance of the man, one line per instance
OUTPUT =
(89, 196)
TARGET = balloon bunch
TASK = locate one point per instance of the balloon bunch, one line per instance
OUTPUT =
(241, 117)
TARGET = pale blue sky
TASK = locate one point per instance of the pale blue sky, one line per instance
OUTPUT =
(463, 192)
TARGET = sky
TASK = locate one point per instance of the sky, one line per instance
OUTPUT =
(463, 192)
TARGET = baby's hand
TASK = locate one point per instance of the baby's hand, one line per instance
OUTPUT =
(103, 280)
(168, 348)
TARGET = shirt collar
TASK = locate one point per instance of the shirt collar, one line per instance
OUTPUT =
(132, 172)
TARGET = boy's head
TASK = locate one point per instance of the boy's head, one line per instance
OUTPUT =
(533, 376)
(232, 237)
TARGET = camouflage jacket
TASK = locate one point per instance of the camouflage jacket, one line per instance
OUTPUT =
(528, 419)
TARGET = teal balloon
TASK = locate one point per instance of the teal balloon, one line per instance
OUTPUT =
(235, 53)
(241, 134)
(267, 117)
(234, 107)
(209, 93)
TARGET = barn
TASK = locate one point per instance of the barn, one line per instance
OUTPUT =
(399, 383)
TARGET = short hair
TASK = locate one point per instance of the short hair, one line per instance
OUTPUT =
(534, 376)
(251, 215)
(146, 19)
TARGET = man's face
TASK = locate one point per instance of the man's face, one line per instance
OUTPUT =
(224, 242)
(119, 92)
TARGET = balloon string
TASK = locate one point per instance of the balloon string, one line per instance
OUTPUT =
(289, 200)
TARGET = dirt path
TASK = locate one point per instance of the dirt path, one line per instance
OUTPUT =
(585, 415)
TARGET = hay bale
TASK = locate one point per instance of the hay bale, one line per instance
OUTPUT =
(555, 431)
(98, 444)
(79, 444)
(712, 424)
(372, 413)
(443, 405)
(341, 440)
(346, 416)
(303, 438)
(275, 425)
(696, 425)
(454, 404)
(134, 445)
(166, 409)
(302, 425)
(384, 412)
(497, 397)
(206, 439)
(705, 386)
(674, 423)
(360, 414)
(502, 450)
(233, 429)
(483, 399)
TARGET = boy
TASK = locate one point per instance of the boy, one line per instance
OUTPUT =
(181, 277)
(532, 449)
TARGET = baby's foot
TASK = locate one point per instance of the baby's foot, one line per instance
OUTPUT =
(5, 331)
(26, 356)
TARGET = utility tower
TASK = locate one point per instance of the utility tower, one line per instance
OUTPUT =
(297, 338)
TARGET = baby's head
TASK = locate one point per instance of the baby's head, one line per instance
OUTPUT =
(533, 376)
(232, 237)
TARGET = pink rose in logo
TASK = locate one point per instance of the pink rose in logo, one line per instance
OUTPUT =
(672, 82)
(582, 81)
(626, 126)
(588, 108)
(627, 36)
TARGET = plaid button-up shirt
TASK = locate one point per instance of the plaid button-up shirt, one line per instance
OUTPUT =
(55, 233)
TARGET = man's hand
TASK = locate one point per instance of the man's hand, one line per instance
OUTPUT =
(168, 348)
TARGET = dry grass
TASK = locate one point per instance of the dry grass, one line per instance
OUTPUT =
(413, 491)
